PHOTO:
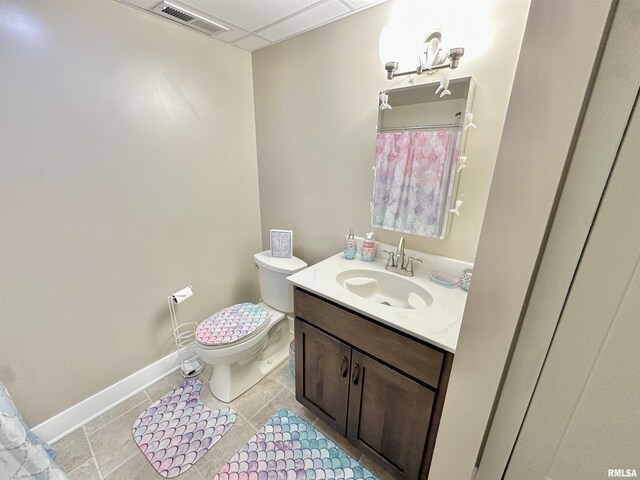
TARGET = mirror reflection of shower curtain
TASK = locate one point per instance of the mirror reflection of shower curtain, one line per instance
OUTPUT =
(413, 181)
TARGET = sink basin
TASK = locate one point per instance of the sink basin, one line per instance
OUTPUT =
(385, 288)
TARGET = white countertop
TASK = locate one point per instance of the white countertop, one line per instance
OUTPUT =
(438, 324)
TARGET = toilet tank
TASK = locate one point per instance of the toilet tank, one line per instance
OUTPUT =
(275, 290)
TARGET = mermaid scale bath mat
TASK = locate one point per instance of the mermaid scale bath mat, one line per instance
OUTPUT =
(177, 430)
(288, 448)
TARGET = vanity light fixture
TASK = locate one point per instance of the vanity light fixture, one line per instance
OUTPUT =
(431, 60)
(384, 98)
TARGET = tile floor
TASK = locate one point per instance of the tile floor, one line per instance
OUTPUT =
(104, 449)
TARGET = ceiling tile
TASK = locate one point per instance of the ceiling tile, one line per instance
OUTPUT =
(231, 35)
(264, 17)
(251, 15)
(361, 3)
(306, 20)
(251, 42)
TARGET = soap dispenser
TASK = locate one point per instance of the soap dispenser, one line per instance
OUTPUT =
(350, 247)
(368, 253)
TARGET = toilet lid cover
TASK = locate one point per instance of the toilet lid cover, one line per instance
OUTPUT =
(231, 324)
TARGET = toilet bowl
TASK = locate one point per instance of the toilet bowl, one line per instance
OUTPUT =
(244, 342)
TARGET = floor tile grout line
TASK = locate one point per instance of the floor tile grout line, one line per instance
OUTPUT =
(103, 476)
(267, 403)
(114, 419)
(240, 414)
(93, 454)
(123, 463)
(146, 394)
(282, 383)
(79, 466)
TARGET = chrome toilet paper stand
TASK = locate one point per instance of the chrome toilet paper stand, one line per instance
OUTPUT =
(185, 336)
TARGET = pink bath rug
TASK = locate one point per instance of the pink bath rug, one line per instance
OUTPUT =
(177, 430)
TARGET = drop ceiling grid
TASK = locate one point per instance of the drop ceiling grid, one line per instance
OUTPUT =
(256, 35)
(300, 22)
(251, 15)
(255, 24)
(307, 15)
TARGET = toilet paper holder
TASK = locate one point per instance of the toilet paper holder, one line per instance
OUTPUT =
(184, 335)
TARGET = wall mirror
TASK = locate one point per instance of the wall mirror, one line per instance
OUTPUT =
(419, 142)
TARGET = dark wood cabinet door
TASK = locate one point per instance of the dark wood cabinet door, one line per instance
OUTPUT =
(389, 415)
(322, 375)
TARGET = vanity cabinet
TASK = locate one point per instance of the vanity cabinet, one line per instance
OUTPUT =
(324, 366)
(381, 389)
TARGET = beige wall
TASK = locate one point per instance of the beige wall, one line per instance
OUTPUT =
(128, 170)
(316, 113)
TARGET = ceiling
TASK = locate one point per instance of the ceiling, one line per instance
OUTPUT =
(254, 24)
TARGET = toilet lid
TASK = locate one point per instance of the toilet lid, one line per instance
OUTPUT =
(231, 324)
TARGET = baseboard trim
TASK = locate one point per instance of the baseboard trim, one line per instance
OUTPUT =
(74, 417)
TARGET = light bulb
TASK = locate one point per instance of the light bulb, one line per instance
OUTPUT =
(400, 44)
(466, 24)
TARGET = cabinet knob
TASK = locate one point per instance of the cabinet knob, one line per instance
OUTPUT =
(355, 376)
(344, 366)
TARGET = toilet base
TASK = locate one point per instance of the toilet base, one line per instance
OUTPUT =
(230, 380)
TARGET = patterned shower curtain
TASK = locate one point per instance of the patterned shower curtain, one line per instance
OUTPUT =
(22, 454)
(413, 173)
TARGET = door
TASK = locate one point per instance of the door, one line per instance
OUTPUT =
(322, 374)
(389, 415)
(605, 136)
(582, 421)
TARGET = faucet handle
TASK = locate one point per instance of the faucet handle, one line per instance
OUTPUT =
(391, 262)
(410, 261)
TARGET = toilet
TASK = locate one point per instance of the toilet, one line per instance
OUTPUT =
(244, 342)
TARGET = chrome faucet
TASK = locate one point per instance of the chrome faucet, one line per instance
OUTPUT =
(396, 261)
(400, 253)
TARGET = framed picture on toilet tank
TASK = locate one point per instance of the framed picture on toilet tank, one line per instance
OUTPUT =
(282, 243)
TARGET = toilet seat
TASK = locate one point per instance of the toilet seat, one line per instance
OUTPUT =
(232, 325)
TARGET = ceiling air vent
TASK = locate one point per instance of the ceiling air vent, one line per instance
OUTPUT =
(174, 12)
(188, 17)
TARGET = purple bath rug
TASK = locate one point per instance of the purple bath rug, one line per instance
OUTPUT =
(177, 430)
(288, 448)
